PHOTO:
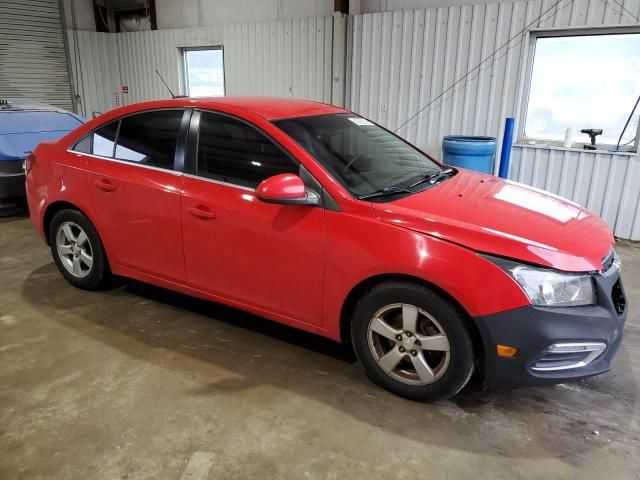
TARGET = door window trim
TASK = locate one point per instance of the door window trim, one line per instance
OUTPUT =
(180, 154)
(125, 162)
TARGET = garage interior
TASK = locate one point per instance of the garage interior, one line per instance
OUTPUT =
(139, 382)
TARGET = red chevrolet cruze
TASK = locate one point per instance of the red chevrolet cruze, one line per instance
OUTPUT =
(315, 217)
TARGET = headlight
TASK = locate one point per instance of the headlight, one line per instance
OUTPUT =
(553, 289)
(550, 288)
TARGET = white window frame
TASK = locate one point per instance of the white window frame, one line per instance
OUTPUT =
(185, 65)
(578, 142)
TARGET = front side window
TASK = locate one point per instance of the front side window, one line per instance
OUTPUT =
(583, 82)
(362, 156)
(149, 138)
(234, 152)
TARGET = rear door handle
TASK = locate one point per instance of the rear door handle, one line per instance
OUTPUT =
(104, 184)
(201, 212)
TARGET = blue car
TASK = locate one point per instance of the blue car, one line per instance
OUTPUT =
(23, 125)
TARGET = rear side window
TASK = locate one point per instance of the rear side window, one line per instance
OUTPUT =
(149, 138)
(234, 152)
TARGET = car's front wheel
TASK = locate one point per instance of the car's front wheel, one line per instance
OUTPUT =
(77, 249)
(412, 341)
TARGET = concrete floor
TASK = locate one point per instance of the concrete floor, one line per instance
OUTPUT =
(137, 382)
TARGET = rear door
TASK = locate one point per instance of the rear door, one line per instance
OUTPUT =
(135, 188)
(260, 254)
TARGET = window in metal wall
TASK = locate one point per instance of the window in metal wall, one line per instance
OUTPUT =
(204, 71)
(583, 80)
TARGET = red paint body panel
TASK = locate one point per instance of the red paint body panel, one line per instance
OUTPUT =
(283, 186)
(505, 218)
(359, 247)
(267, 254)
(141, 211)
(297, 264)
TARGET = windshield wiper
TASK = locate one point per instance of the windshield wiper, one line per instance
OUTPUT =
(433, 177)
(385, 192)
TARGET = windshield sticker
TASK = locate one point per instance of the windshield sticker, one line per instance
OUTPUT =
(360, 121)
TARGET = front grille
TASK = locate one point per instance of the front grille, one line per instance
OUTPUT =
(618, 298)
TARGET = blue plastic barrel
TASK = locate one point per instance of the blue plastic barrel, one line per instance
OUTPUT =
(474, 153)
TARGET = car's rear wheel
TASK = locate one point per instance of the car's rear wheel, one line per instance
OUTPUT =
(412, 341)
(77, 250)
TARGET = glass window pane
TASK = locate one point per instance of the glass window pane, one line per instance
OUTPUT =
(361, 155)
(234, 152)
(103, 139)
(149, 138)
(84, 145)
(204, 70)
(587, 81)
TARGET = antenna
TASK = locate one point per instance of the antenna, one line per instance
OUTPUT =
(624, 129)
(165, 83)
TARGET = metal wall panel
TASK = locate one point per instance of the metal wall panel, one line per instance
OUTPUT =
(94, 71)
(33, 58)
(401, 61)
(141, 53)
(288, 58)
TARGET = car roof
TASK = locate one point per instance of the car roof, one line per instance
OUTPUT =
(272, 108)
(269, 108)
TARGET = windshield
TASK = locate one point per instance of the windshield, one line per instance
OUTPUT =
(362, 156)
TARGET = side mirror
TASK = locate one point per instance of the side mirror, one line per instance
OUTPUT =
(286, 189)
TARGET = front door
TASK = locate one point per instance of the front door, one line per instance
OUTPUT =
(255, 253)
(136, 192)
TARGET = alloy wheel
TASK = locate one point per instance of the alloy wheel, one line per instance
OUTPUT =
(74, 249)
(409, 344)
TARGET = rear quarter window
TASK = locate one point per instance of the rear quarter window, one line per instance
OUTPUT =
(84, 145)
(101, 142)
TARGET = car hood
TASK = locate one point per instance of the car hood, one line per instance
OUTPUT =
(505, 218)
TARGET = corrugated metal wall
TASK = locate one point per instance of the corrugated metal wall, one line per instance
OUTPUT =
(398, 62)
(289, 58)
(94, 70)
(286, 58)
(401, 61)
(33, 59)
(141, 53)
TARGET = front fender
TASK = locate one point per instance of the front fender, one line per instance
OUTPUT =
(359, 248)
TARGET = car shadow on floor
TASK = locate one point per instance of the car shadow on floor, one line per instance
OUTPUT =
(146, 322)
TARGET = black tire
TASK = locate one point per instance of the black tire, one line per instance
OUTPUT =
(460, 363)
(96, 275)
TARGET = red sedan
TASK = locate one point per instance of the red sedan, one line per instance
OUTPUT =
(315, 217)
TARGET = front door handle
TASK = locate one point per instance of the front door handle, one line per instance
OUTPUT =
(104, 184)
(201, 212)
